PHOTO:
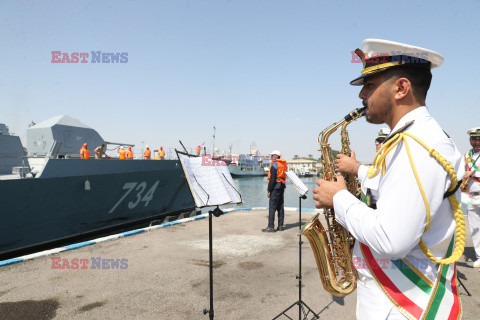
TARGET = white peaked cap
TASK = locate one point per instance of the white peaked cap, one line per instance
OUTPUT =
(370, 46)
(383, 132)
(278, 153)
(379, 55)
(475, 132)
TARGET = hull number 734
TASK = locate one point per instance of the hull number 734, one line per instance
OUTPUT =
(138, 189)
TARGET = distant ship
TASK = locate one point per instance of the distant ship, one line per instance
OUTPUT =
(249, 165)
(52, 196)
(304, 172)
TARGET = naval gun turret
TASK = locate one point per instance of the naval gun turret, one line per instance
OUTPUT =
(71, 132)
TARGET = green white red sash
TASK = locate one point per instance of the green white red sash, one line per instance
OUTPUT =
(470, 165)
(412, 292)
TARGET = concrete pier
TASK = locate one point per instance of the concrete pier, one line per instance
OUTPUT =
(163, 274)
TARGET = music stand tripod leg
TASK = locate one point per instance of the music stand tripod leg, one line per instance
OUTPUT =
(210, 253)
(301, 305)
(465, 288)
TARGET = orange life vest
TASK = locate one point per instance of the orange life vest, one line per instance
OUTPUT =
(199, 149)
(147, 153)
(282, 168)
(129, 154)
(161, 153)
(84, 153)
(121, 153)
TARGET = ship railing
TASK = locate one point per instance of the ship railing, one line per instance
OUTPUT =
(54, 149)
(22, 170)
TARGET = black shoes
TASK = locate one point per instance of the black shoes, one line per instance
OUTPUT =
(268, 229)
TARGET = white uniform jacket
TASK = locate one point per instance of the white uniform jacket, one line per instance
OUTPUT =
(473, 185)
(393, 230)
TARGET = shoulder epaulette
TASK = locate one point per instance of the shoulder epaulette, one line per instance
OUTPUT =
(405, 127)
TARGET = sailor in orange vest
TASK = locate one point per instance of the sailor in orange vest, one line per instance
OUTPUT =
(161, 153)
(84, 153)
(122, 153)
(129, 153)
(275, 191)
(199, 150)
(147, 153)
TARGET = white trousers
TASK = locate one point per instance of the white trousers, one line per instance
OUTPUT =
(474, 222)
(373, 304)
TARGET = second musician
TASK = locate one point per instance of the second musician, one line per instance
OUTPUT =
(472, 161)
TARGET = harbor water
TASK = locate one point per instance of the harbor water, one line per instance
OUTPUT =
(254, 192)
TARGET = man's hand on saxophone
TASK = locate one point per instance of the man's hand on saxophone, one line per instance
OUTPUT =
(467, 174)
(326, 190)
(346, 164)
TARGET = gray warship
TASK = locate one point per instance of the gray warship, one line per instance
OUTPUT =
(51, 196)
(249, 165)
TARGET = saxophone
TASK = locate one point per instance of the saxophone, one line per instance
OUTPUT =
(350, 180)
(466, 180)
(332, 247)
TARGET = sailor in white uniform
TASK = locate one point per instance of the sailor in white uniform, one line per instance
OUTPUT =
(408, 190)
(382, 135)
(472, 172)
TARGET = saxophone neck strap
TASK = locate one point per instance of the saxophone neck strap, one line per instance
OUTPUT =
(452, 192)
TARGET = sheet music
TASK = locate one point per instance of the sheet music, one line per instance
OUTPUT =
(229, 184)
(208, 184)
(297, 183)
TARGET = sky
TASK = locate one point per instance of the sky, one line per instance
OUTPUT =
(271, 72)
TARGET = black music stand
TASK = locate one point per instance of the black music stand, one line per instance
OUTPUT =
(459, 276)
(217, 213)
(210, 186)
(303, 308)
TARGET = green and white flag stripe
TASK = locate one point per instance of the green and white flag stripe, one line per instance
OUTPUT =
(412, 292)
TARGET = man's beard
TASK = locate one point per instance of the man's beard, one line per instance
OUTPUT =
(379, 117)
(367, 116)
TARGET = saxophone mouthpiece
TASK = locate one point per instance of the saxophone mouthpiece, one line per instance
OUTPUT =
(355, 114)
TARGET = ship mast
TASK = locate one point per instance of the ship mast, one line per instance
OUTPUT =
(213, 151)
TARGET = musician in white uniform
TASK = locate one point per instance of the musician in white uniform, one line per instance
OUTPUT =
(382, 135)
(472, 172)
(408, 190)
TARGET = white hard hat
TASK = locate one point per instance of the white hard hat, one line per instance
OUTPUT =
(278, 153)
(146, 146)
(121, 147)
